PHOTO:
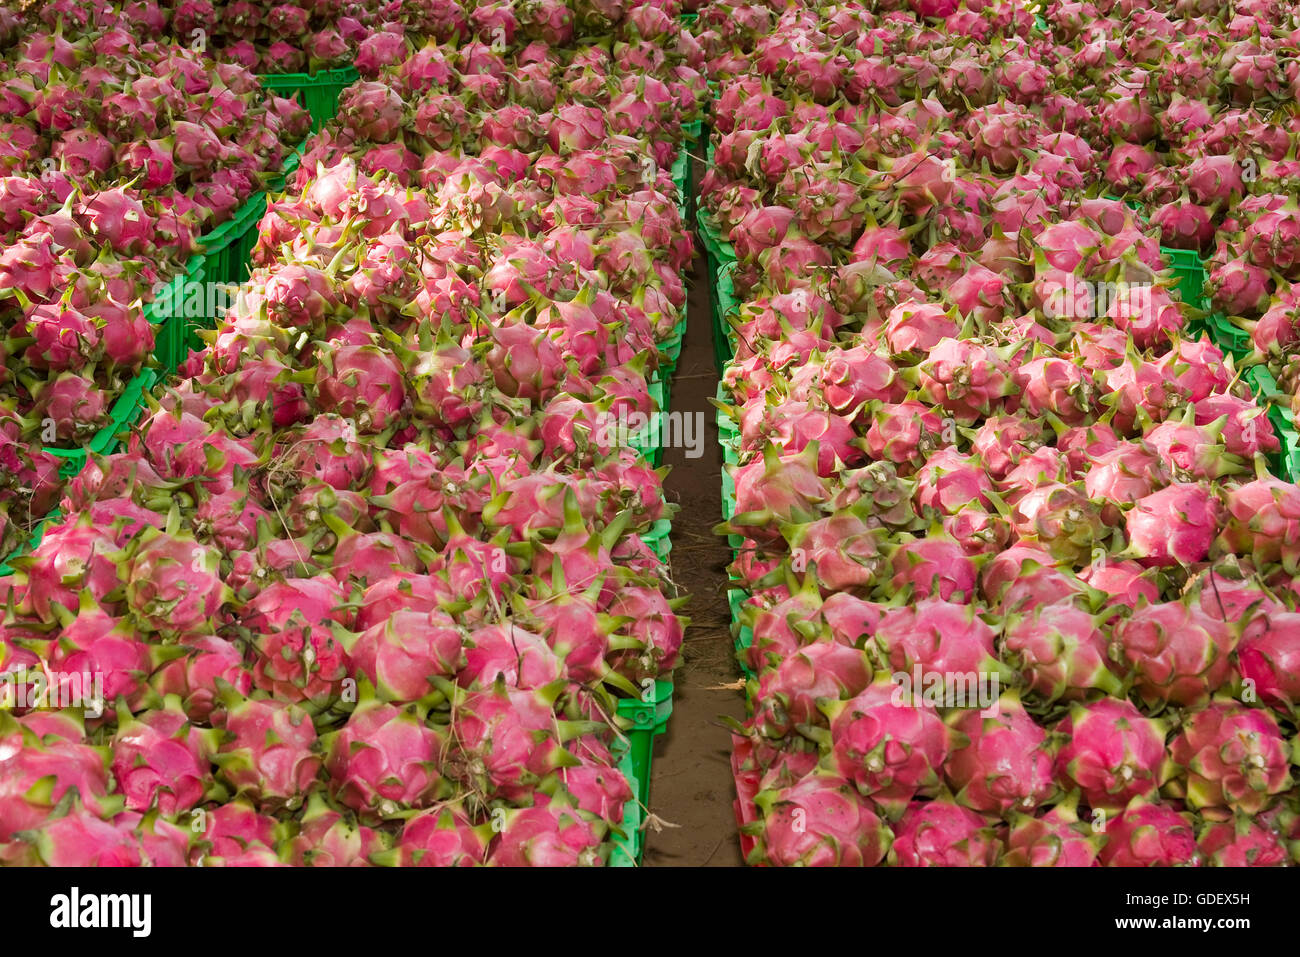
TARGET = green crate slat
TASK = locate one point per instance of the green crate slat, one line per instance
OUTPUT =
(1281, 418)
(123, 414)
(648, 719)
(682, 180)
(171, 314)
(724, 345)
(318, 92)
(646, 440)
(744, 637)
(1228, 336)
(1190, 273)
(167, 336)
(658, 539)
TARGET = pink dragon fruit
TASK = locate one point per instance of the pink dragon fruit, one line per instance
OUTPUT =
(1176, 653)
(1007, 764)
(399, 654)
(943, 834)
(1149, 835)
(1174, 526)
(1061, 650)
(194, 677)
(438, 837)
(1227, 844)
(161, 760)
(1112, 753)
(1055, 839)
(936, 637)
(787, 696)
(548, 834)
(1269, 661)
(269, 751)
(383, 761)
(297, 631)
(821, 821)
(966, 378)
(1230, 756)
(172, 582)
(888, 743)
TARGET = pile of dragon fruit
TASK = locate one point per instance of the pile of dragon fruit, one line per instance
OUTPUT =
(105, 190)
(368, 582)
(1020, 584)
(262, 37)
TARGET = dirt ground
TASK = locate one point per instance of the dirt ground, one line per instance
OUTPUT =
(691, 789)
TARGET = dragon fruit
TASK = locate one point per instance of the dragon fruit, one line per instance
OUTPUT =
(1055, 839)
(1175, 525)
(268, 752)
(821, 821)
(1268, 661)
(384, 761)
(787, 696)
(1149, 835)
(161, 760)
(888, 743)
(1007, 764)
(1112, 753)
(1230, 757)
(399, 654)
(1227, 844)
(943, 834)
(1062, 650)
(1176, 653)
(172, 582)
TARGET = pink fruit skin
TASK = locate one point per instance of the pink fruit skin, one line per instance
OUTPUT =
(398, 655)
(1233, 757)
(155, 765)
(1222, 845)
(941, 834)
(1175, 525)
(383, 760)
(788, 695)
(1052, 840)
(1007, 765)
(1149, 835)
(1272, 661)
(837, 828)
(1177, 653)
(269, 753)
(1113, 753)
(890, 753)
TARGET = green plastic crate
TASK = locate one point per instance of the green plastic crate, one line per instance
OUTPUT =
(744, 637)
(1190, 273)
(647, 720)
(163, 315)
(228, 247)
(1228, 336)
(318, 92)
(724, 336)
(122, 416)
(646, 440)
(1280, 416)
(659, 540)
(671, 351)
(681, 172)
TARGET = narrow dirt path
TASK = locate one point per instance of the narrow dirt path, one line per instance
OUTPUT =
(691, 784)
